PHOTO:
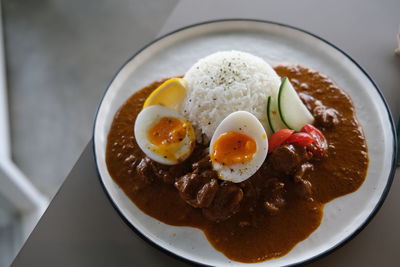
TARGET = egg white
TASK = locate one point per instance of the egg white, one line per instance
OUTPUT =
(246, 123)
(146, 119)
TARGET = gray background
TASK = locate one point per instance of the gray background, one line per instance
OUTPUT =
(81, 227)
(61, 55)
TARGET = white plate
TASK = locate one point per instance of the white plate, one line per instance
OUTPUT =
(174, 53)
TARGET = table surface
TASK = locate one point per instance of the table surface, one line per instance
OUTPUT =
(81, 228)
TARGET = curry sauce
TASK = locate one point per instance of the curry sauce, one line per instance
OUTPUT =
(254, 232)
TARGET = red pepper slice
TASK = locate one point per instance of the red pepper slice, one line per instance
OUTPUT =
(320, 146)
(278, 138)
(301, 139)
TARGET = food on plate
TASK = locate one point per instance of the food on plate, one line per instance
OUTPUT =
(292, 111)
(164, 135)
(245, 152)
(238, 147)
(169, 94)
(278, 138)
(225, 82)
(275, 122)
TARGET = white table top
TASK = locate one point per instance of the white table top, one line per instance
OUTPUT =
(82, 228)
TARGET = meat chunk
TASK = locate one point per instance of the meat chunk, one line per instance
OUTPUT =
(302, 170)
(226, 202)
(144, 168)
(304, 189)
(145, 174)
(324, 116)
(207, 193)
(203, 164)
(199, 187)
(285, 159)
(288, 158)
(303, 186)
(274, 196)
(249, 189)
(197, 190)
(168, 175)
(210, 174)
(250, 199)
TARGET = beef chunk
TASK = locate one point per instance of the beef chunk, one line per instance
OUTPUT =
(303, 187)
(285, 159)
(203, 164)
(145, 168)
(302, 170)
(210, 174)
(324, 116)
(274, 196)
(249, 190)
(199, 187)
(168, 175)
(207, 193)
(226, 202)
(271, 208)
(288, 158)
(145, 174)
(197, 190)
(250, 196)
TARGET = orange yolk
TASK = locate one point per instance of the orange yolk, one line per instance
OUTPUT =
(232, 148)
(167, 131)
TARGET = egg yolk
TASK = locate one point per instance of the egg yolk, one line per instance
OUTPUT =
(167, 135)
(167, 131)
(232, 148)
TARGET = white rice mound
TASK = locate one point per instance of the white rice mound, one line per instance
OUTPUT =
(225, 82)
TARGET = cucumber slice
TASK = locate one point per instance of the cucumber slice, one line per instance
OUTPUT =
(274, 119)
(293, 112)
(267, 126)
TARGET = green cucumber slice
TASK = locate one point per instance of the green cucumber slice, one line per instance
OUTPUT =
(274, 119)
(293, 112)
(267, 126)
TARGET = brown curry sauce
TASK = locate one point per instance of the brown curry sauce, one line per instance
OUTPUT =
(251, 235)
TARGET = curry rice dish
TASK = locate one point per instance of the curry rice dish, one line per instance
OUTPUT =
(254, 179)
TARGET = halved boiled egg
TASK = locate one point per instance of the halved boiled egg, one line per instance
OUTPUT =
(164, 135)
(238, 147)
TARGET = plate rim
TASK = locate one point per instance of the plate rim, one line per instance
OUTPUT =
(315, 257)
